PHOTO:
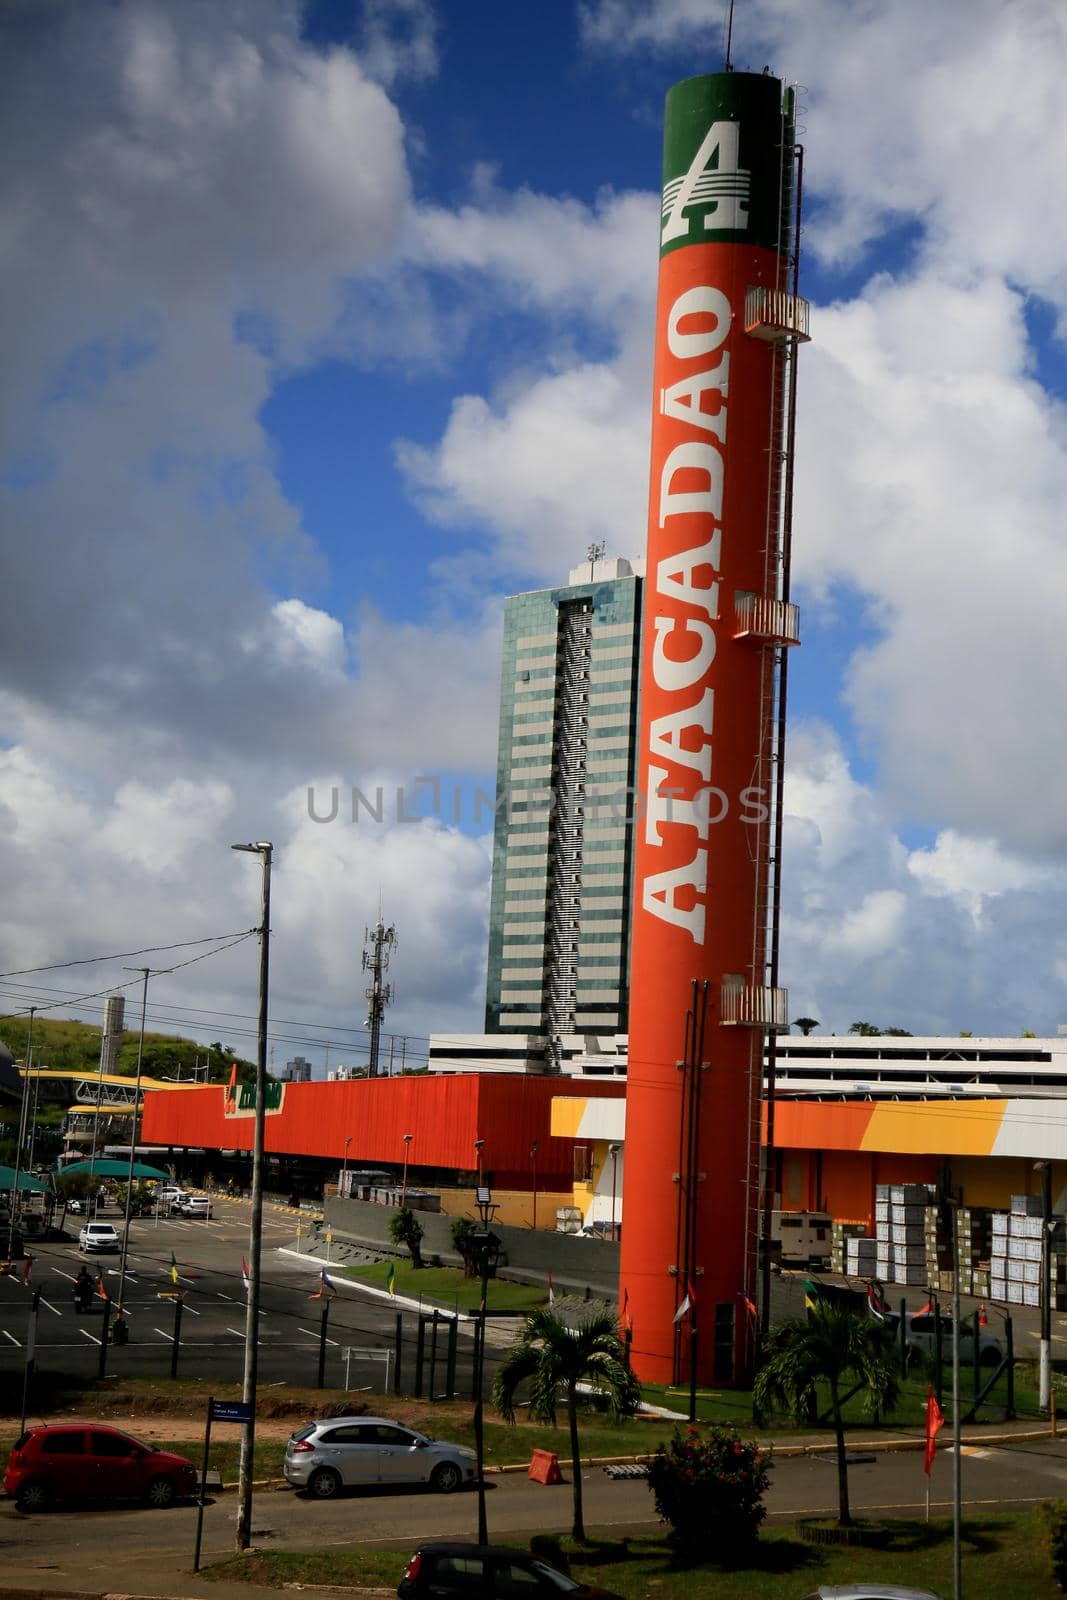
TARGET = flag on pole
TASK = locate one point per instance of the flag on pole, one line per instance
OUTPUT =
(390, 1278)
(28, 1268)
(325, 1287)
(101, 1286)
(875, 1304)
(551, 1289)
(231, 1091)
(173, 1268)
(935, 1421)
(689, 1303)
(927, 1310)
(244, 1272)
(983, 1320)
(750, 1306)
(624, 1311)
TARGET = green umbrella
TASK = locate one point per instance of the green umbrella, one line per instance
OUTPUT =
(113, 1169)
(7, 1181)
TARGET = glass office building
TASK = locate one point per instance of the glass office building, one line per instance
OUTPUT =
(562, 848)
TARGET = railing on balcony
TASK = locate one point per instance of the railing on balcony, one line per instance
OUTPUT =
(774, 315)
(748, 1005)
(773, 621)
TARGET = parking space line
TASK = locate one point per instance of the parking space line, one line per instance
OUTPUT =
(240, 1332)
(62, 1274)
(86, 1335)
(165, 1335)
(11, 1336)
(51, 1307)
(311, 1334)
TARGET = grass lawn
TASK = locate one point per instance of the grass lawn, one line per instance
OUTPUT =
(1002, 1560)
(447, 1287)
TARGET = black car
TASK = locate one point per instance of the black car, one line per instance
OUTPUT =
(486, 1571)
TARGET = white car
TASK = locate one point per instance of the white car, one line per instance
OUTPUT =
(920, 1337)
(98, 1236)
(194, 1205)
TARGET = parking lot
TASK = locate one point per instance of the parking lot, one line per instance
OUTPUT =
(208, 1255)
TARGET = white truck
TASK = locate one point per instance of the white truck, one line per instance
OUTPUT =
(804, 1238)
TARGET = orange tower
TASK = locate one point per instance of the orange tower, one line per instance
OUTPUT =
(717, 624)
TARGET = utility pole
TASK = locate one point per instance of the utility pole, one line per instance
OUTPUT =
(24, 1081)
(380, 941)
(265, 851)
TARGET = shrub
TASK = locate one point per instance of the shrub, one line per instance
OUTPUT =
(406, 1229)
(1053, 1518)
(709, 1486)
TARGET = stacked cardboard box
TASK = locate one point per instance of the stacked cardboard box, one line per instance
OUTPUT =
(861, 1257)
(845, 1234)
(899, 1216)
(1015, 1262)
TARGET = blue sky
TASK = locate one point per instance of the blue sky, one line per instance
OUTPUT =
(328, 326)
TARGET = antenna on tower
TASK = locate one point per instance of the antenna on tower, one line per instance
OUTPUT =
(728, 65)
(595, 552)
(379, 942)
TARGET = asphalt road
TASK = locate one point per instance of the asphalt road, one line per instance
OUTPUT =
(155, 1545)
(209, 1256)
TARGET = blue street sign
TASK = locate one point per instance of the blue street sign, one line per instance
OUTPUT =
(231, 1411)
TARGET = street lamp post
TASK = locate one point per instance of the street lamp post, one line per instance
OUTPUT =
(120, 1313)
(404, 1185)
(344, 1169)
(24, 1083)
(483, 1239)
(613, 1152)
(533, 1163)
(265, 851)
(1045, 1344)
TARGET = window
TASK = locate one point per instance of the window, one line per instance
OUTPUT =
(111, 1444)
(462, 1573)
(511, 1579)
(583, 1163)
(396, 1436)
(63, 1444)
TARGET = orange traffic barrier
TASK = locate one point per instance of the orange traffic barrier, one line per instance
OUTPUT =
(544, 1467)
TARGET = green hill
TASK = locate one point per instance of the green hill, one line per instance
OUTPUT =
(64, 1044)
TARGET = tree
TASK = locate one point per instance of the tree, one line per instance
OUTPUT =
(866, 1030)
(835, 1345)
(406, 1229)
(898, 1033)
(806, 1024)
(553, 1358)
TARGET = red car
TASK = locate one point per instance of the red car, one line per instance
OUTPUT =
(88, 1460)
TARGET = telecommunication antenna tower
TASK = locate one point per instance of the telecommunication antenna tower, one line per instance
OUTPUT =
(595, 553)
(379, 942)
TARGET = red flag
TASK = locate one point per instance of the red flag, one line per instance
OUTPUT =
(875, 1303)
(750, 1306)
(927, 1310)
(28, 1268)
(983, 1320)
(101, 1286)
(244, 1272)
(231, 1092)
(935, 1421)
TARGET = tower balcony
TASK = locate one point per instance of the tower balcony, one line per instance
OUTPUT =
(765, 620)
(775, 316)
(750, 1005)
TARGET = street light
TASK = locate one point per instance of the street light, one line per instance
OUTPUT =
(404, 1186)
(613, 1152)
(533, 1163)
(120, 1314)
(265, 851)
(344, 1169)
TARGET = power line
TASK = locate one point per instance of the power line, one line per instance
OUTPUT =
(123, 955)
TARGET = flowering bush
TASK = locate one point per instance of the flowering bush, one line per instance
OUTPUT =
(709, 1485)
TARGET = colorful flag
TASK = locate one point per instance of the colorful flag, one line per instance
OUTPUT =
(244, 1272)
(750, 1306)
(935, 1421)
(231, 1092)
(325, 1287)
(551, 1288)
(28, 1268)
(875, 1304)
(173, 1268)
(390, 1278)
(983, 1320)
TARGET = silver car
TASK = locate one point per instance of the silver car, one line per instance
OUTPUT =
(355, 1451)
(869, 1591)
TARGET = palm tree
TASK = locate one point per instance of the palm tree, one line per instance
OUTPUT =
(554, 1358)
(806, 1024)
(836, 1345)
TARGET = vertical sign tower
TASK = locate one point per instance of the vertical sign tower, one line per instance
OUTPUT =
(717, 624)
